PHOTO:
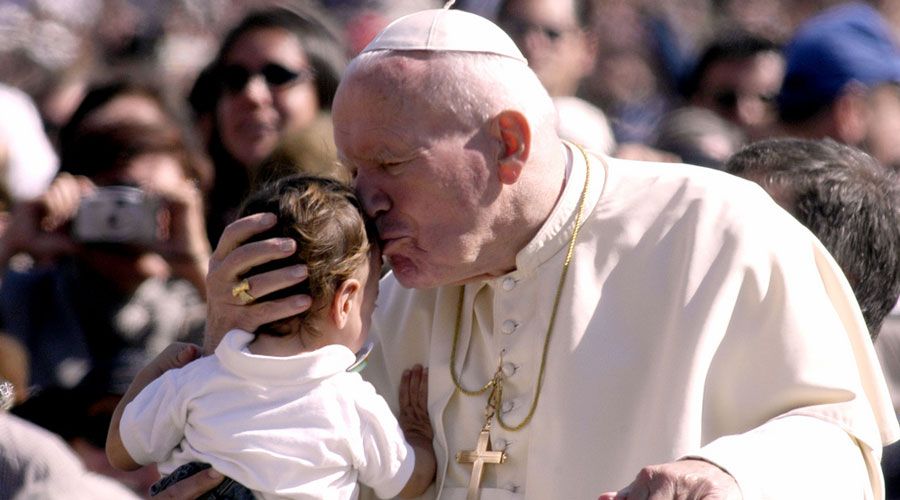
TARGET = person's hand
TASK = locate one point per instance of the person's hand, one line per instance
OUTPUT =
(683, 479)
(231, 259)
(417, 430)
(175, 355)
(192, 487)
(40, 227)
(413, 416)
(184, 244)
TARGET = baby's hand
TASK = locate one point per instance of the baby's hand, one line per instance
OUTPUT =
(417, 429)
(414, 406)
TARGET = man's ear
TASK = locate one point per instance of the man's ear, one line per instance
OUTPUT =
(344, 300)
(511, 128)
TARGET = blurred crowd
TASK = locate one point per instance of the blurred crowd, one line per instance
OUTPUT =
(171, 110)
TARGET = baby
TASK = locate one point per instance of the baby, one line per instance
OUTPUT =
(277, 410)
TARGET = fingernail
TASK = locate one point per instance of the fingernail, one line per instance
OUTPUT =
(286, 245)
(214, 474)
(267, 219)
(299, 271)
(302, 301)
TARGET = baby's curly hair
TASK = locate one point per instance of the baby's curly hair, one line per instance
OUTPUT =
(334, 239)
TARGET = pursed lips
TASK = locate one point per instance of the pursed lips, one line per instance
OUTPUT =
(390, 245)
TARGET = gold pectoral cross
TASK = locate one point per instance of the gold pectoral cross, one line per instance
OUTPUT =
(482, 454)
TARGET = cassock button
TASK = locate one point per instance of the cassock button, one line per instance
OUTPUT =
(509, 369)
(509, 326)
(509, 284)
(508, 406)
(500, 444)
(512, 488)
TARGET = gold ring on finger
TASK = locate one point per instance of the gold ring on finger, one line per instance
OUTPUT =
(241, 291)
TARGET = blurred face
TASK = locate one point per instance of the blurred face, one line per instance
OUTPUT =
(154, 172)
(884, 125)
(743, 90)
(421, 175)
(268, 89)
(548, 34)
(129, 108)
(162, 175)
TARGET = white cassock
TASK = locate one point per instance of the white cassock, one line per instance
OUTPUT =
(698, 319)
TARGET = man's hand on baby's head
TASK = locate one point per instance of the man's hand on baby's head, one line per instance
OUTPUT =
(413, 416)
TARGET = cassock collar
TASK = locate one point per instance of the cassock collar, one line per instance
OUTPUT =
(555, 233)
(309, 366)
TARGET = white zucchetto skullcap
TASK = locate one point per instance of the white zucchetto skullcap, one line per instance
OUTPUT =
(444, 30)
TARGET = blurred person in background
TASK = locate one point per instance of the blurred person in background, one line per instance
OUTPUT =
(738, 75)
(275, 72)
(79, 417)
(36, 463)
(843, 81)
(311, 151)
(124, 101)
(556, 38)
(638, 50)
(773, 19)
(847, 200)
(100, 295)
(850, 203)
(96, 283)
(698, 136)
(28, 157)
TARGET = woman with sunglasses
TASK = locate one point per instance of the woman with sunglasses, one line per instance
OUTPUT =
(275, 74)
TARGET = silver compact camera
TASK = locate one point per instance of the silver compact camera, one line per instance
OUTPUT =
(117, 214)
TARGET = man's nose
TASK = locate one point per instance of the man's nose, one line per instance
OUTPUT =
(374, 199)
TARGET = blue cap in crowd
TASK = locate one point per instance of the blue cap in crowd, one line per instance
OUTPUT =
(851, 42)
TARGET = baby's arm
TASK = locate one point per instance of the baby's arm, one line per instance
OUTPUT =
(174, 356)
(417, 429)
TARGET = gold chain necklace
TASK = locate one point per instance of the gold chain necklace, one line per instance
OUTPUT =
(496, 382)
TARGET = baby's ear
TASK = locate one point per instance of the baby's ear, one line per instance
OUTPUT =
(345, 299)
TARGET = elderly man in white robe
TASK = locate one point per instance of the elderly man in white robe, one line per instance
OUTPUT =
(592, 326)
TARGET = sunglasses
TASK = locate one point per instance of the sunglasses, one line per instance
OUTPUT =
(234, 78)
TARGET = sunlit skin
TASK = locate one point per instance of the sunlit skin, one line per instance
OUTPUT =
(562, 63)
(884, 125)
(442, 212)
(357, 329)
(750, 79)
(251, 121)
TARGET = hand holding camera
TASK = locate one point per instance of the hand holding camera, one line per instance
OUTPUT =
(165, 216)
(120, 215)
(39, 227)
